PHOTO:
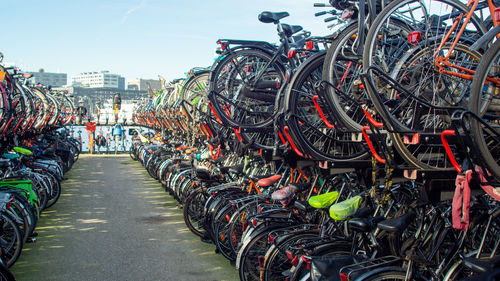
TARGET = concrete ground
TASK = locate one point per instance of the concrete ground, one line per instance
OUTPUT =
(113, 222)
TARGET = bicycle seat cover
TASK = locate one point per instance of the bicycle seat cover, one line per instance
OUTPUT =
(10, 155)
(323, 200)
(265, 182)
(342, 210)
(23, 151)
(270, 17)
(283, 193)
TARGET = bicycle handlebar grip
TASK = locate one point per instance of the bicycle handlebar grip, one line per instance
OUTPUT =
(320, 5)
(330, 19)
(320, 13)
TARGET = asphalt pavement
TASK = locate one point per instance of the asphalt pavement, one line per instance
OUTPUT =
(114, 222)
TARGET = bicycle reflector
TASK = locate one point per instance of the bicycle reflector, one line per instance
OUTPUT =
(346, 14)
(414, 37)
(309, 45)
(223, 46)
(497, 14)
(270, 239)
(344, 276)
(291, 53)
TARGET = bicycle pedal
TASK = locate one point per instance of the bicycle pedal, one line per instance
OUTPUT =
(205, 240)
(31, 240)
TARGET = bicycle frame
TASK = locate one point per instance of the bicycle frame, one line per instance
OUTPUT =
(442, 61)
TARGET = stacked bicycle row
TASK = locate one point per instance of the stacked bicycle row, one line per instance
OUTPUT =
(35, 153)
(370, 154)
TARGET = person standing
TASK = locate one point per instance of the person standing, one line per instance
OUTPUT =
(117, 135)
(100, 141)
(81, 112)
(117, 104)
(98, 106)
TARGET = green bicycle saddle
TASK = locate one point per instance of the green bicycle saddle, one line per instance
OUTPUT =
(23, 151)
(342, 210)
(323, 200)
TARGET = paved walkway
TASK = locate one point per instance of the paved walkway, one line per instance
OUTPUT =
(113, 222)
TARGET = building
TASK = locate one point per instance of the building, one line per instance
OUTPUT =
(142, 84)
(102, 79)
(50, 78)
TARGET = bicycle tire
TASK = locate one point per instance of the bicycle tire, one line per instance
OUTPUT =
(341, 70)
(412, 118)
(482, 102)
(56, 191)
(193, 211)
(12, 240)
(227, 98)
(307, 124)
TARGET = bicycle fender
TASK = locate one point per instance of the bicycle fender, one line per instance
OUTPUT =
(379, 270)
(487, 37)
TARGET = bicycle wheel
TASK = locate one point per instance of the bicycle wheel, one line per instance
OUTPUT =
(307, 122)
(224, 238)
(5, 274)
(485, 103)
(56, 190)
(411, 89)
(341, 69)
(251, 255)
(277, 261)
(244, 86)
(193, 212)
(195, 88)
(11, 240)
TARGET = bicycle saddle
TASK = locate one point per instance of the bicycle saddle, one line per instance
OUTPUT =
(265, 182)
(10, 155)
(284, 193)
(482, 265)
(365, 225)
(323, 200)
(4, 163)
(303, 206)
(397, 224)
(236, 169)
(270, 17)
(300, 187)
(342, 210)
(23, 151)
(291, 29)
